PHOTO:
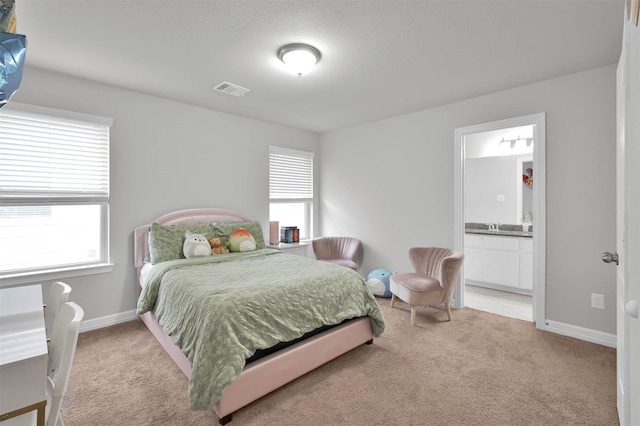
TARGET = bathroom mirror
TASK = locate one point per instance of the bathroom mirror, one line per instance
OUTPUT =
(499, 176)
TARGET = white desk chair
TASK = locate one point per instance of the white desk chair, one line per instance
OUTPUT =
(58, 295)
(64, 340)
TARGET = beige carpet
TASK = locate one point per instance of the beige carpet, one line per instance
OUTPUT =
(479, 369)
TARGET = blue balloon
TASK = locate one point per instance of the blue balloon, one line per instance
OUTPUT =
(378, 282)
(13, 48)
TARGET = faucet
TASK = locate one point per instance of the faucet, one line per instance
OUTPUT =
(494, 226)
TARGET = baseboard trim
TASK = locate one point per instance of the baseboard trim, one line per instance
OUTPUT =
(109, 320)
(593, 336)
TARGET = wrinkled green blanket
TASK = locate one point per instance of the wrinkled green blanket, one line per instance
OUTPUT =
(220, 309)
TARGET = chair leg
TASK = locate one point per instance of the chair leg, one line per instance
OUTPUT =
(413, 315)
(393, 299)
(448, 308)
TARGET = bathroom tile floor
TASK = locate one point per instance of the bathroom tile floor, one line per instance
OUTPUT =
(503, 303)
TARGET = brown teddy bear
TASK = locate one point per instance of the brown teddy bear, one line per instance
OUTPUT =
(217, 247)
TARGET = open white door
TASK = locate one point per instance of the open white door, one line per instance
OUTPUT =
(632, 189)
(628, 226)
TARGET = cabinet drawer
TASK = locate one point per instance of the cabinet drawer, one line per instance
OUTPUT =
(491, 242)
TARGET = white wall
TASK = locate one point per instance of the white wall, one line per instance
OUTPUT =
(165, 156)
(391, 184)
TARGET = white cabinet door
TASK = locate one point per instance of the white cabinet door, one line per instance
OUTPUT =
(503, 268)
(493, 260)
(474, 264)
(526, 264)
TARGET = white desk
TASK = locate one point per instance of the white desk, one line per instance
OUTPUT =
(23, 353)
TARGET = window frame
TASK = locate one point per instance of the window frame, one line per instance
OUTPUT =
(53, 272)
(307, 201)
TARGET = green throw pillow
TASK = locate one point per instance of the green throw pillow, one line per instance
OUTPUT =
(165, 242)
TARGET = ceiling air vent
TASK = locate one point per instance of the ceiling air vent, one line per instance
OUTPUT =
(230, 88)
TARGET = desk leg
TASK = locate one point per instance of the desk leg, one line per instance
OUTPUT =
(41, 413)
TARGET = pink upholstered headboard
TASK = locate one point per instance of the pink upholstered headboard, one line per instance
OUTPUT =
(182, 217)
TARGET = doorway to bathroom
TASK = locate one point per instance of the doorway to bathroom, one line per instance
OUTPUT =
(500, 220)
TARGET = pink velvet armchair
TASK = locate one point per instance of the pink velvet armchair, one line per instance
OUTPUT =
(436, 273)
(344, 251)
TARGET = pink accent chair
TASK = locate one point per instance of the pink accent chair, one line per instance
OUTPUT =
(343, 251)
(436, 273)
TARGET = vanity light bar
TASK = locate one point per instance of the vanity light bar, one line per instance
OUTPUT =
(512, 142)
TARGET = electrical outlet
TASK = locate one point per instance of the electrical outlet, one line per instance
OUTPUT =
(597, 301)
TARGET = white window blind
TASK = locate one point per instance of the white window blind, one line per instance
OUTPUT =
(54, 187)
(291, 189)
(290, 174)
(45, 158)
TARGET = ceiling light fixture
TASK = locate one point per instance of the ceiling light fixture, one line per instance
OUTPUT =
(299, 58)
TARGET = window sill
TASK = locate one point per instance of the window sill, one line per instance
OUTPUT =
(54, 274)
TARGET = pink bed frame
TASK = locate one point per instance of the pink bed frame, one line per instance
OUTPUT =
(271, 372)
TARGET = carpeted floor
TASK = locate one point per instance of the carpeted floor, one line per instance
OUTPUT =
(479, 369)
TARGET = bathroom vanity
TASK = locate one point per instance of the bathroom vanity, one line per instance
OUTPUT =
(500, 259)
(499, 181)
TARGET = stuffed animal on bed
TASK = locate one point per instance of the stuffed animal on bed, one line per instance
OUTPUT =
(217, 247)
(195, 245)
(241, 240)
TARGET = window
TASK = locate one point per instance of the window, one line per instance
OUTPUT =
(291, 189)
(54, 192)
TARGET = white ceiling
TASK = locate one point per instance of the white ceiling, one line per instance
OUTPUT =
(379, 58)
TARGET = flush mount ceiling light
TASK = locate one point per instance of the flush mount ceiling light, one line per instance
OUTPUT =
(299, 58)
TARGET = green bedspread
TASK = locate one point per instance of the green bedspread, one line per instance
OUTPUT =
(220, 309)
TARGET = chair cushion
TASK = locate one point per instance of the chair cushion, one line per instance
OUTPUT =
(416, 282)
(416, 289)
(343, 262)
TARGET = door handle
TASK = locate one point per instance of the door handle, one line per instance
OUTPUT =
(631, 308)
(610, 257)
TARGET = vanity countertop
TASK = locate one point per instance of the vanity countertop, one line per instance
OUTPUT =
(503, 230)
(501, 233)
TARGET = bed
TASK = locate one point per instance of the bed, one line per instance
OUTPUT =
(277, 338)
